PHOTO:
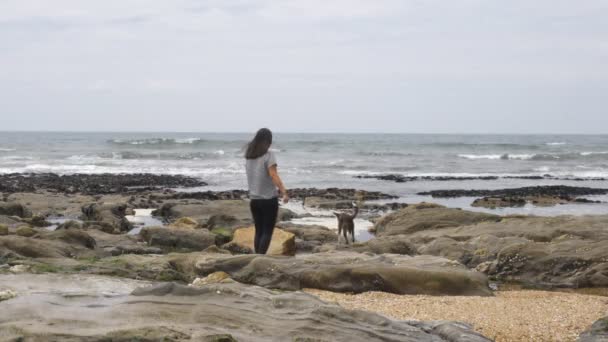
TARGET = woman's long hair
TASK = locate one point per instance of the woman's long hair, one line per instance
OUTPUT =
(260, 144)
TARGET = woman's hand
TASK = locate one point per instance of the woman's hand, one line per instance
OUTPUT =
(285, 197)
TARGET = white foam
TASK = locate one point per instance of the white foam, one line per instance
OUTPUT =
(497, 156)
(481, 156)
(4, 149)
(559, 143)
(593, 153)
(219, 152)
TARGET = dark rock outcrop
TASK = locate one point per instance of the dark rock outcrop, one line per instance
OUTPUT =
(533, 191)
(107, 215)
(93, 184)
(15, 209)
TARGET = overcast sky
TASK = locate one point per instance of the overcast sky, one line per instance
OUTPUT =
(435, 66)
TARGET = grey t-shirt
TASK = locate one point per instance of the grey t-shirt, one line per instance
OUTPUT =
(258, 178)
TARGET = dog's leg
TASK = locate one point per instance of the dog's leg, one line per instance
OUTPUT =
(352, 233)
(345, 235)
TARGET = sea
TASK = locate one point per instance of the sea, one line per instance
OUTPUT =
(331, 160)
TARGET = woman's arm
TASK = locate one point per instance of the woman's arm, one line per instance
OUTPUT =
(276, 179)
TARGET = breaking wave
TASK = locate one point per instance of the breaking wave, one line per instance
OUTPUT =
(156, 141)
(538, 156)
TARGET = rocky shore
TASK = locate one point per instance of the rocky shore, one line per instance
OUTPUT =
(403, 179)
(52, 239)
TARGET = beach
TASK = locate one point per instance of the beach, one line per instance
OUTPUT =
(462, 238)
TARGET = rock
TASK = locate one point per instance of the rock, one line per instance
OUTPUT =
(93, 183)
(6, 295)
(172, 312)
(71, 224)
(425, 216)
(107, 214)
(185, 222)
(598, 332)
(222, 235)
(18, 269)
(178, 239)
(323, 203)
(235, 248)
(37, 221)
(499, 202)
(25, 231)
(544, 252)
(395, 244)
(532, 191)
(3, 230)
(133, 249)
(212, 213)
(72, 237)
(14, 246)
(15, 209)
(7, 220)
(213, 278)
(283, 243)
(309, 237)
(351, 272)
(222, 221)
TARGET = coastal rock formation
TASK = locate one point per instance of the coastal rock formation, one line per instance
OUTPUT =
(308, 237)
(107, 215)
(563, 251)
(15, 209)
(93, 184)
(427, 216)
(539, 201)
(351, 272)
(598, 332)
(215, 312)
(184, 240)
(533, 191)
(283, 242)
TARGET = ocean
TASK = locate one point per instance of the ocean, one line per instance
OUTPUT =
(331, 160)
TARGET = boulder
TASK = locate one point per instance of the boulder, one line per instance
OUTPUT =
(25, 231)
(213, 278)
(71, 224)
(3, 230)
(351, 272)
(309, 237)
(283, 243)
(15, 209)
(112, 215)
(598, 332)
(184, 222)
(428, 216)
(72, 237)
(178, 239)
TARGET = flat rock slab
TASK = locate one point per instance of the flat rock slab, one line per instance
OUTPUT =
(342, 271)
(93, 308)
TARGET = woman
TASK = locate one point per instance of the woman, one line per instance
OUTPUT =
(265, 186)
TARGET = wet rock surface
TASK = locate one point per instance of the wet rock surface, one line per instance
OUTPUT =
(72, 308)
(93, 183)
(534, 191)
(402, 179)
(111, 215)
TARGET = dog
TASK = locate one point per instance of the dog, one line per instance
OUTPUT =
(346, 223)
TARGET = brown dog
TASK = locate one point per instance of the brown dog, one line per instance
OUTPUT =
(346, 223)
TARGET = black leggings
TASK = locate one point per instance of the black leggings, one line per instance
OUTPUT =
(264, 212)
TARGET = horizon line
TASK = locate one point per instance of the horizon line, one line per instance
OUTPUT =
(296, 132)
